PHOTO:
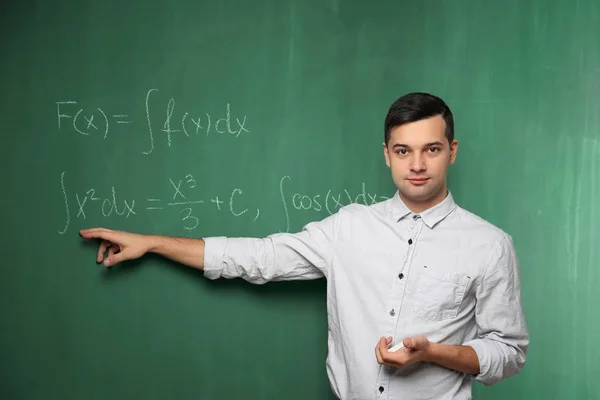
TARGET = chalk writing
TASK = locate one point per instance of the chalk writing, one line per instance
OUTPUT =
(95, 121)
(92, 201)
(185, 197)
(330, 201)
(196, 125)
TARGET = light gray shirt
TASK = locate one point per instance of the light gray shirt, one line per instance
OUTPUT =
(445, 273)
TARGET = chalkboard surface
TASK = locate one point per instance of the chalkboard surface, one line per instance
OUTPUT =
(244, 118)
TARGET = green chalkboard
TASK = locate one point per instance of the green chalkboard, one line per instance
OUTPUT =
(244, 118)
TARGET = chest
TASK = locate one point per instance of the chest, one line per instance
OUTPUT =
(377, 261)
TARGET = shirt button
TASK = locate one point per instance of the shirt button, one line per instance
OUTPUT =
(392, 313)
(409, 241)
(415, 217)
(400, 275)
(380, 389)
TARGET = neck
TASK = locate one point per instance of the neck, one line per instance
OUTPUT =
(420, 206)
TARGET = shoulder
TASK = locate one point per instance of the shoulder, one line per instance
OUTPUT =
(360, 210)
(479, 227)
(484, 236)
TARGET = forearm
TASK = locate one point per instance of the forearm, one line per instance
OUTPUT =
(458, 358)
(186, 251)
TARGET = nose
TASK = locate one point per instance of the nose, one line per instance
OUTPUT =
(417, 163)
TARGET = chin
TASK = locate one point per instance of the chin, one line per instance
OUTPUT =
(419, 197)
(418, 194)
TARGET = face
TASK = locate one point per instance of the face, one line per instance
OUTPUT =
(419, 155)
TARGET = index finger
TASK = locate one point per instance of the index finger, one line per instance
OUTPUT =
(95, 233)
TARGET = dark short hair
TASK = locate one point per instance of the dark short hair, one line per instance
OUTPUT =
(414, 107)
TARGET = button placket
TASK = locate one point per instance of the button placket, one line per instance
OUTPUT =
(397, 297)
(398, 293)
(398, 289)
(415, 226)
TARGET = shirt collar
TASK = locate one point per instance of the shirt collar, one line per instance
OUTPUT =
(430, 217)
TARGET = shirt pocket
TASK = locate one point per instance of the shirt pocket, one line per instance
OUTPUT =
(440, 293)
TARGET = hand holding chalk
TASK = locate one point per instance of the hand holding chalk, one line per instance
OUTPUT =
(416, 351)
(397, 347)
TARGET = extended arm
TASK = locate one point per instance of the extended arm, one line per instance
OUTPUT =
(283, 256)
(123, 246)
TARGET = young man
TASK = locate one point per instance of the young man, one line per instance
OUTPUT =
(415, 272)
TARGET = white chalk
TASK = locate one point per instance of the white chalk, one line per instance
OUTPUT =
(396, 347)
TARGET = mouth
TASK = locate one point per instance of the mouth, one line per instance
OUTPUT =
(418, 181)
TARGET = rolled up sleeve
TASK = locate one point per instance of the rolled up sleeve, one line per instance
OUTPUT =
(503, 339)
(282, 256)
(214, 249)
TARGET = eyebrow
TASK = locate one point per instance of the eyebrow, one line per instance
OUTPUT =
(426, 145)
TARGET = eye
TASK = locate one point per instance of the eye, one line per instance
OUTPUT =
(402, 152)
(434, 149)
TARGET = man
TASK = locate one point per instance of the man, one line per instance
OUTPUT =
(416, 272)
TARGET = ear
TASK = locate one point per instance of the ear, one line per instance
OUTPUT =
(453, 151)
(386, 154)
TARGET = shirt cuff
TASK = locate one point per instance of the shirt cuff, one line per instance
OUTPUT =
(483, 354)
(214, 250)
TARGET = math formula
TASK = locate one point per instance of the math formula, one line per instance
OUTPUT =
(177, 125)
(186, 200)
